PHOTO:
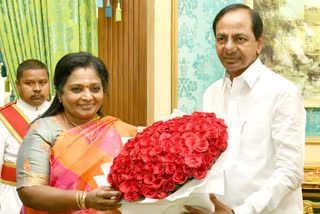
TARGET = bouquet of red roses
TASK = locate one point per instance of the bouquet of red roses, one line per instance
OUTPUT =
(167, 154)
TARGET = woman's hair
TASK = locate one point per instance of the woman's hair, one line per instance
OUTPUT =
(66, 65)
(257, 24)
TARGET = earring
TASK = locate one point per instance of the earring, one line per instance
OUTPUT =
(59, 99)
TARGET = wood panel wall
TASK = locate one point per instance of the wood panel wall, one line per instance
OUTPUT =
(123, 48)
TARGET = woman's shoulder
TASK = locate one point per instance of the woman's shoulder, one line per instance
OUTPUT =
(124, 129)
(47, 128)
(44, 123)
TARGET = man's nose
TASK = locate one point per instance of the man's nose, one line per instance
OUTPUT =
(36, 87)
(230, 46)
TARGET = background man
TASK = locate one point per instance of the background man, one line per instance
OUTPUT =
(33, 87)
(263, 164)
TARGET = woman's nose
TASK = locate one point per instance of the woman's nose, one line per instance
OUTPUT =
(86, 94)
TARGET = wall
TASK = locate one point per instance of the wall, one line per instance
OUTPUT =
(159, 75)
(198, 63)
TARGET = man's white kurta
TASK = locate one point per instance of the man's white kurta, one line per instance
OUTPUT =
(263, 164)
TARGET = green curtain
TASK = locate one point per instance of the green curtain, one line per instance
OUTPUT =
(45, 30)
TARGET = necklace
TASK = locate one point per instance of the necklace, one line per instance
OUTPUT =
(78, 126)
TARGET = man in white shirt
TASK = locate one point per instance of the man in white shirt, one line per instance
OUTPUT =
(263, 164)
(33, 87)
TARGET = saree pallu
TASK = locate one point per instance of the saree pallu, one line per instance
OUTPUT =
(76, 157)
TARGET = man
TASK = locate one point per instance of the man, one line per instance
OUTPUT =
(33, 87)
(263, 164)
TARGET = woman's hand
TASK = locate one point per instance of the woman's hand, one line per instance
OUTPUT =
(103, 198)
(220, 208)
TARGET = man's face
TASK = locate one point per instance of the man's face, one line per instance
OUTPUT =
(33, 86)
(236, 45)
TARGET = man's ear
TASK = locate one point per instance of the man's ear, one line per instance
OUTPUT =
(260, 44)
(17, 84)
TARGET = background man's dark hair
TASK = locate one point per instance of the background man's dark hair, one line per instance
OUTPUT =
(257, 25)
(30, 64)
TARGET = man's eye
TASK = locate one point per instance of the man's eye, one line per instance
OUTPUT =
(241, 39)
(29, 83)
(42, 83)
(220, 39)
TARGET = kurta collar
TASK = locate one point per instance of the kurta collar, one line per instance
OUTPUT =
(29, 107)
(250, 75)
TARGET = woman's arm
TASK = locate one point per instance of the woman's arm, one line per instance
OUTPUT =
(57, 200)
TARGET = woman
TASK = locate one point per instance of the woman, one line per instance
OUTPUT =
(66, 147)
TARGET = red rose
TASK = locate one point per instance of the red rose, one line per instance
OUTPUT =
(144, 142)
(146, 158)
(169, 185)
(132, 175)
(200, 172)
(170, 168)
(113, 179)
(187, 170)
(208, 159)
(139, 167)
(180, 160)
(193, 160)
(140, 177)
(213, 132)
(155, 136)
(185, 151)
(158, 158)
(175, 148)
(164, 137)
(175, 138)
(155, 150)
(145, 151)
(149, 192)
(213, 150)
(161, 195)
(169, 157)
(131, 196)
(125, 186)
(148, 167)
(190, 139)
(166, 145)
(201, 146)
(179, 177)
(148, 179)
(158, 169)
(221, 142)
(157, 183)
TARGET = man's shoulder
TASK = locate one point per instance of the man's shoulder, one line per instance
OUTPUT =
(214, 86)
(278, 81)
(8, 105)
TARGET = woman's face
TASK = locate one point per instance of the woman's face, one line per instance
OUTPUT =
(82, 95)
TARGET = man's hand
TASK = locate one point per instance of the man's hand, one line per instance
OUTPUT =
(220, 208)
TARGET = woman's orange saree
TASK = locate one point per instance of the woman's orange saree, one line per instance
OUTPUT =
(77, 156)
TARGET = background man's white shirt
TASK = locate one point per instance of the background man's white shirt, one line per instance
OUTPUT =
(9, 146)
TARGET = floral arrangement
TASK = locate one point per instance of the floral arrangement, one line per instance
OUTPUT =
(167, 154)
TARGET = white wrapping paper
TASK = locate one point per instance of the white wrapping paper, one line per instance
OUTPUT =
(194, 193)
